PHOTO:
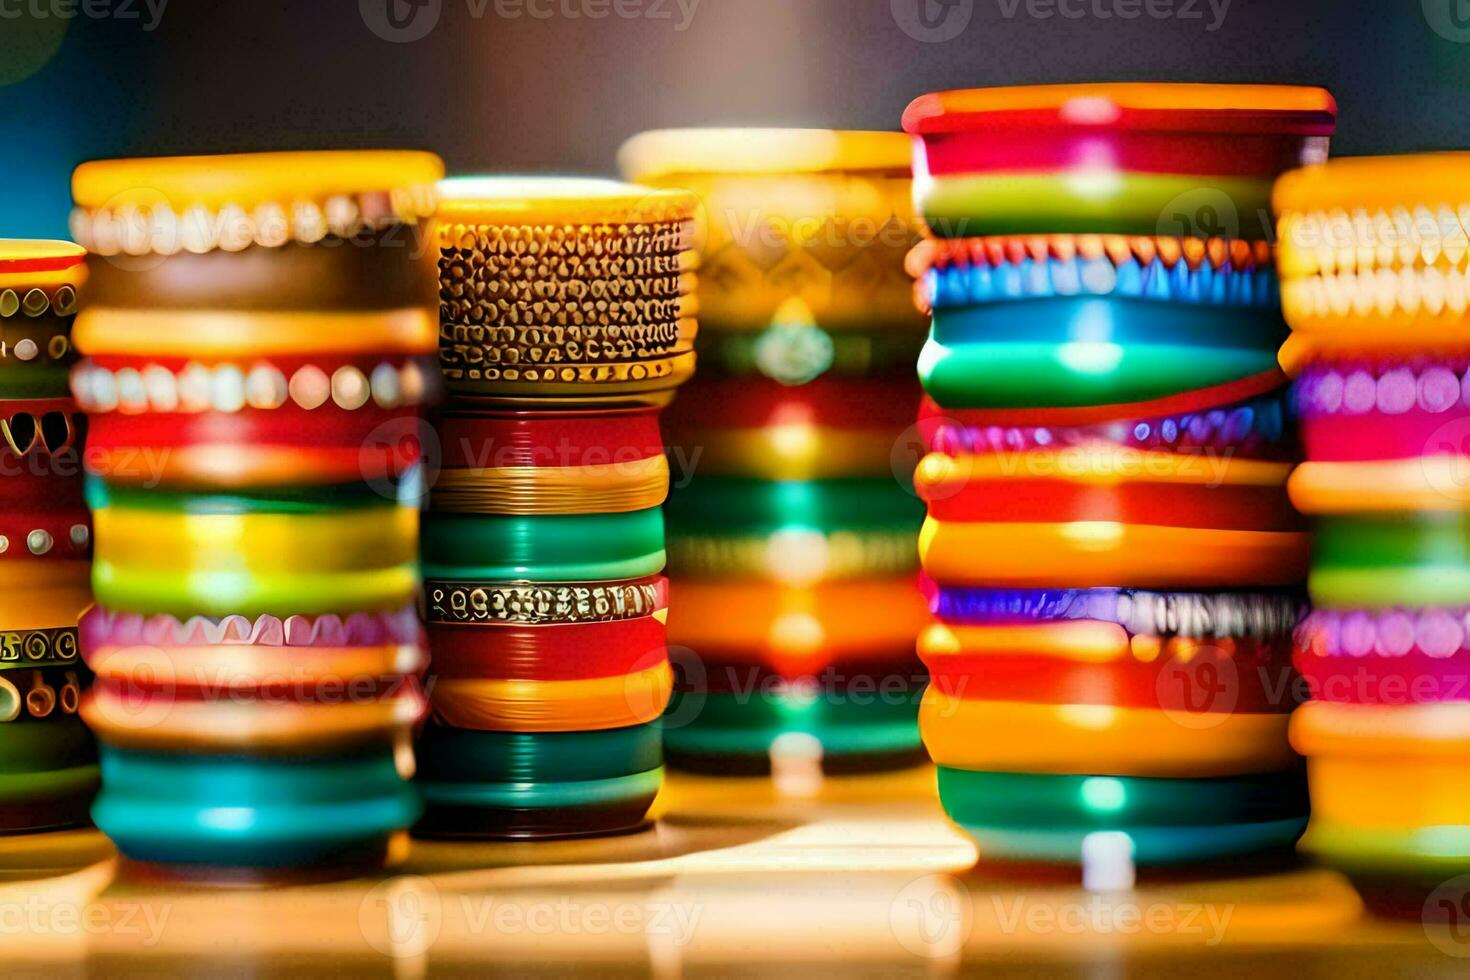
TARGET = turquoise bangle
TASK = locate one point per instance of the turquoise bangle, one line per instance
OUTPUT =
(541, 796)
(732, 505)
(1152, 846)
(1382, 561)
(453, 756)
(727, 724)
(1124, 322)
(548, 548)
(1043, 375)
(250, 813)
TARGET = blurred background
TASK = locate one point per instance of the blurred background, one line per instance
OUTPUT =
(556, 85)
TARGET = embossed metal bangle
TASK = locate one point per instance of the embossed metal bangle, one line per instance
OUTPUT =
(476, 603)
(554, 706)
(21, 649)
(638, 382)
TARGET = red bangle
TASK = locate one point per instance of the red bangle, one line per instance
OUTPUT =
(563, 652)
(1243, 676)
(1054, 149)
(1234, 508)
(735, 403)
(550, 438)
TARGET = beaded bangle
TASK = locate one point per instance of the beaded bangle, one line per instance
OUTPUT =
(554, 706)
(453, 603)
(1013, 736)
(1210, 615)
(1087, 555)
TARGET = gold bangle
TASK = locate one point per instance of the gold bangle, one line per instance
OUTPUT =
(572, 380)
(595, 316)
(465, 347)
(554, 706)
(540, 272)
(608, 488)
(38, 647)
(221, 334)
(472, 242)
(457, 603)
(160, 721)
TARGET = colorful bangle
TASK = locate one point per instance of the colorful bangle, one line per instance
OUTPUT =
(1047, 818)
(750, 506)
(1431, 483)
(1407, 734)
(612, 488)
(1098, 739)
(795, 557)
(970, 296)
(796, 631)
(1255, 428)
(1392, 793)
(287, 812)
(554, 706)
(544, 548)
(454, 755)
(156, 720)
(43, 594)
(243, 561)
(526, 604)
(227, 334)
(1210, 615)
(25, 649)
(591, 437)
(1107, 483)
(102, 627)
(1081, 372)
(1394, 559)
(1090, 554)
(562, 652)
(1394, 409)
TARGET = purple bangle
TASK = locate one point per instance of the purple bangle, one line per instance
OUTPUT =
(1391, 658)
(1386, 410)
(1262, 615)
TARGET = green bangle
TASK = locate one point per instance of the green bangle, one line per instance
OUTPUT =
(35, 381)
(537, 796)
(1041, 375)
(733, 505)
(1437, 853)
(230, 812)
(1152, 846)
(41, 746)
(728, 724)
(1381, 561)
(452, 755)
(219, 593)
(545, 548)
(265, 500)
(27, 787)
(1126, 203)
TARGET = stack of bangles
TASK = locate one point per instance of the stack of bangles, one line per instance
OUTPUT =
(258, 332)
(792, 531)
(48, 764)
(1114, 562)
(566, 323)
(1372, 262)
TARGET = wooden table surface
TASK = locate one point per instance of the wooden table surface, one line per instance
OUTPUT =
(857, 876)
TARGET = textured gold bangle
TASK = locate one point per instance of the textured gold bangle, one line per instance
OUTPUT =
(571, 313)
(461, 294)
(609, 488)
(38, 648)
(569, 379)
(467, 348)
(539, 271)
(467, 241)
(529, 605)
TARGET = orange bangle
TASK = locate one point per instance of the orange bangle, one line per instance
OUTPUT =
(1087, 554)
(1389, 793)
(224, 335)
(554, 706)
(1430, 483)
(43, 593)
(234, 666)
(1398, 733)
(1010, 736)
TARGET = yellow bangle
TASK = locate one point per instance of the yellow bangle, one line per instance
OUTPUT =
(1087, 554)
(1393, 733)
(162, 722)
(605, 488)
(1099, 466)
(792, 452)
(1430, 483)
(1082, 642)
(1098, 740)
(1389, 792)
(222, 334)
(554, 706)
(43, 594)
(351, 540)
